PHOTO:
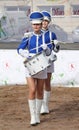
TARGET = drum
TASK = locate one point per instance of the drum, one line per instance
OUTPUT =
(37, 63)
(51, 58)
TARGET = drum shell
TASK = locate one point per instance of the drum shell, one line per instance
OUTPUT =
(37, 63)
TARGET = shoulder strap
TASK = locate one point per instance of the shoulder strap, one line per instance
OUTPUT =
(50, 35)
(43, 38)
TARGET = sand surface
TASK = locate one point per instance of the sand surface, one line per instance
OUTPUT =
(14, 110)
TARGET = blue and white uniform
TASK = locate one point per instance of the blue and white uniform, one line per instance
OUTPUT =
(33, 45)
(49, 36)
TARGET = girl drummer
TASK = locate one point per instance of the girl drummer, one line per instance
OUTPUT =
(51, 36)
(29, 47)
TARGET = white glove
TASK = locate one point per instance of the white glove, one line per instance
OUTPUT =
(56, 42)
(57, 48)
(24, 53)
(44, 46)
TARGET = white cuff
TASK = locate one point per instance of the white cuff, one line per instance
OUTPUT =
(56, 42)
(44, 46)
(24, 53)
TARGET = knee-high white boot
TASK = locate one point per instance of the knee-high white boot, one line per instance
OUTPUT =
(38, 109)
(32, 107)
(45, 108)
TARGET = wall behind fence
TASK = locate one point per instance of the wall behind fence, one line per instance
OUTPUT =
(66, 73)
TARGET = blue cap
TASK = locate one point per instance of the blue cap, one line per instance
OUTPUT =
(46, 16)
(36, 17)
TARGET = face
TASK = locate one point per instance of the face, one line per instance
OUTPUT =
(45, 24)
(37, 28)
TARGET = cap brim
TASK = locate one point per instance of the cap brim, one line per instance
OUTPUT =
(36, 21)
(46, 18)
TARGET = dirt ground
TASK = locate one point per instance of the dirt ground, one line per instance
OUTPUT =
(14, 110)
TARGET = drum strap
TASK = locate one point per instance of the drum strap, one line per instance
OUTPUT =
(37, 44)
(43, 37)
(50, 34)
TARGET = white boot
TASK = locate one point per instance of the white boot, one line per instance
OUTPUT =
(45, 108)
(38, 109)
(32, 107)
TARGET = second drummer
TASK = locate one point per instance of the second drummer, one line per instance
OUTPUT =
(51, 36)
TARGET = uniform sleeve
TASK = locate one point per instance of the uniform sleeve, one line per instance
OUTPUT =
(56, 47)
(23, 44)
(54, 37)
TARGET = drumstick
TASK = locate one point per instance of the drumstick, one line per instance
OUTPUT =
(40, 46)
(60, 42)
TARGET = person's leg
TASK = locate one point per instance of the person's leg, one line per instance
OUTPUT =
(39, 87)
(32, 100)
(46, 97)
(47, 82)
(32, 87)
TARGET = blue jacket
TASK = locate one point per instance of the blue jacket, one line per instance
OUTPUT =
(32, 43)
(49, 36)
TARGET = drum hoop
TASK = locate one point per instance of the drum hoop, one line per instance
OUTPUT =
(27, 60)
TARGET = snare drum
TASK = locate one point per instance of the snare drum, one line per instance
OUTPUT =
(51, 58)
(37, 63)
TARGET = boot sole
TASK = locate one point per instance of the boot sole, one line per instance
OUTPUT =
(34, 124)
(44, 113)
